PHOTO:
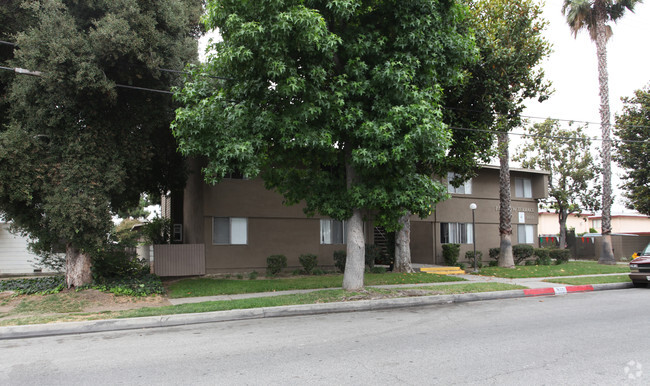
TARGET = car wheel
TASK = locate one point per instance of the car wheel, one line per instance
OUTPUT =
(639, 284)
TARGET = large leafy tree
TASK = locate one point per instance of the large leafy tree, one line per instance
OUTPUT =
(80, 144)
(633, 152)
(337, 103)
(594, 16)
(509, 37)
(565, 153)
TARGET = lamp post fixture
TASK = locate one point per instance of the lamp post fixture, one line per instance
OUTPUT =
(473, 207)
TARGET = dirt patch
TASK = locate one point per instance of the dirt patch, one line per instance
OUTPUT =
(86, 301)
(372, 295)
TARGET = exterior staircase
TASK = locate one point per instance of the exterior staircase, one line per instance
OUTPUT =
(381, 240)
(443, 270)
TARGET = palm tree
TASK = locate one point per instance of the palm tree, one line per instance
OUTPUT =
(594, 15)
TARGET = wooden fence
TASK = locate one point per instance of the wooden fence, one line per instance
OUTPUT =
(179, 259)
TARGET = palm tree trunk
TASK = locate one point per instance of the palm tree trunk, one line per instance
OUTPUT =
(607, 255)
(403, 245)
(505, 211)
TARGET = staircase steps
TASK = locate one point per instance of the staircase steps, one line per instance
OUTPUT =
(443, 270)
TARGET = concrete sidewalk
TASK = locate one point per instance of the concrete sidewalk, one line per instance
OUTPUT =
(535, 288)
(537, 282)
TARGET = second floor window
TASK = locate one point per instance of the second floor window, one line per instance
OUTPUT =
(465, 188)
(523, 187)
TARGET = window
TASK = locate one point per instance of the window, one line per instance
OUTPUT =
(456, 233)
(332, 231)
(177, 233)
(525, 234)
(465, 188)
(523, 188)
(229, 230)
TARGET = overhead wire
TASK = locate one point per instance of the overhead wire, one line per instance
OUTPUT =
(28, 72)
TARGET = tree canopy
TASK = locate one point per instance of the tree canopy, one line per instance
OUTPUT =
(78, 143)
(334, 103)
(565, 153)
(508, 35)
(633, 126)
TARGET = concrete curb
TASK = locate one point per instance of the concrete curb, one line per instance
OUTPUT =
(69, 328)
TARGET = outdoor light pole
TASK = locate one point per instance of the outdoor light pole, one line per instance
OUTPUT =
(472, 206)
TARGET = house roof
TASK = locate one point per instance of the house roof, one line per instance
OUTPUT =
(520, 170)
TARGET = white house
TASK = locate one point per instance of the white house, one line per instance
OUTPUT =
(15, 258)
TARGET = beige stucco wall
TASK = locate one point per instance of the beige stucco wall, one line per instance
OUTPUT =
(549, 225)
(624, 223)
(274, 228)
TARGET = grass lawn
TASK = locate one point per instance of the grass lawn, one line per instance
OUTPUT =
(591, 280)
(210, 287)
(573, 268)
(323, 296)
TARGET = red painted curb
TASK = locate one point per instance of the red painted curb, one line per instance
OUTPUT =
(557, 290)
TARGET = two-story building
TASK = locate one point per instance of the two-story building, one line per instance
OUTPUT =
(237, 223)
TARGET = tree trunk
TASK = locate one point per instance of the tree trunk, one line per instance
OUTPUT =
(506, 259)
(607, 255)
(77, 267)
(403, 245)
(355, 261)
(562, 217)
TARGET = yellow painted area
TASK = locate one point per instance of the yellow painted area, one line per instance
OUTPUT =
(443, 270)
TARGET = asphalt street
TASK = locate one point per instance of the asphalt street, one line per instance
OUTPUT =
(583, 338)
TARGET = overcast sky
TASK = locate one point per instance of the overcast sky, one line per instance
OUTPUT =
(572, 68)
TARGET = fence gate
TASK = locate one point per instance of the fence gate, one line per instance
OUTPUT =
(179, 259)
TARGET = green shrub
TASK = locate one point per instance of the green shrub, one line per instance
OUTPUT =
(308, 262)
(521, 252)
(469, 256)
(144, 285)
(239, 276)
(339, 260)
(157, 231)
(318, 272)
(494, 254)
(530, 262)
(253, 275)
(461, 266)
(542, 256)
(378, 270)
(275, 264)
(114, 262)
(450, 254)
(296, 272)
(493, 263)
(560, 256)
(373, 253)
(39, 285)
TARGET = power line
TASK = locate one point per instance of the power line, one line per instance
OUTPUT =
(159, 69)
(187, 73)
(555, 119)
(547, 136)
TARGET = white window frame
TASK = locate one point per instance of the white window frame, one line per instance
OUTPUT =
(525, 234)
(457, 233)
(523, 187)
(465, 188)
(237, 231)
(326, 232)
